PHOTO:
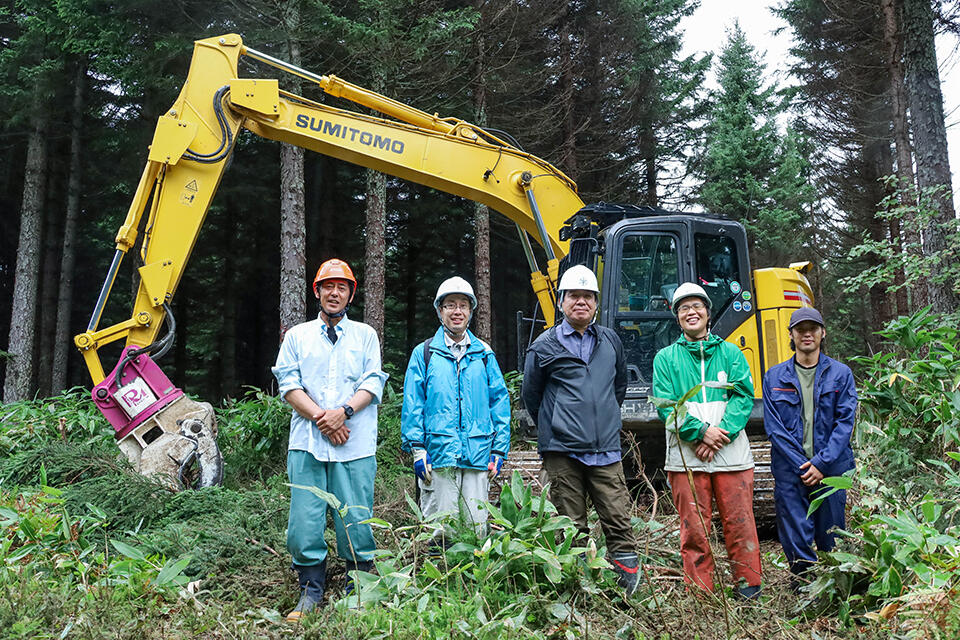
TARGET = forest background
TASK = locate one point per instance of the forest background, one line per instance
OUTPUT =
(598, 88)
(842, 161)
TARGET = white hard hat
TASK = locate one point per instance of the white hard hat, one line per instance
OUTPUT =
(455, 284)
(578, 277)
(690, 290)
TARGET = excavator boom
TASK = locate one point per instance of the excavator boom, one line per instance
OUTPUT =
(194, 140)
(191, 147)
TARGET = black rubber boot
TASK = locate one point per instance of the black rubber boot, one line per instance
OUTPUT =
(364, 565)
(626, 565)
(748, 593)
(312, 580)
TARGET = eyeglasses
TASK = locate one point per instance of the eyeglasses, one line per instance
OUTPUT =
(453, 306)
(695, 306)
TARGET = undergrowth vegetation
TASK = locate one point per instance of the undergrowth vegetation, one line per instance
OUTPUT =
(899, 559)
(90, 549)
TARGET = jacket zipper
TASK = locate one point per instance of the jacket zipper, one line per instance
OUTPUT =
(459, 401)
(593, 392)
(703, 374)
(816, 401)
(703, 389)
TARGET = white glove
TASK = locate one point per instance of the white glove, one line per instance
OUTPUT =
(422, 466)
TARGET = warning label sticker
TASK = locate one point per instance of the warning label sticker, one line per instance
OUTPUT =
(189, 193)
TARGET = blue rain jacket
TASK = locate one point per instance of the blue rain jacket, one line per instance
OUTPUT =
(462, 414)
(835, 396)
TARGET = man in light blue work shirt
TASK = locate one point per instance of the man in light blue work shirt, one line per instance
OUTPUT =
(329, 371)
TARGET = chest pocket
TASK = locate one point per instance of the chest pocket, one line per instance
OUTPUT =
(827, 405)
(788, 404)
(352, 365)
(568, 373)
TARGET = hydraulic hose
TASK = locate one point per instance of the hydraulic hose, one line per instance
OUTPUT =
(226, 136)
(161, 346)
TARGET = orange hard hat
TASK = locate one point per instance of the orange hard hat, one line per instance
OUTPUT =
(334, 269)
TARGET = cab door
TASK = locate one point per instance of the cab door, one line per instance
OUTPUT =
(721, 266)
(643, 266)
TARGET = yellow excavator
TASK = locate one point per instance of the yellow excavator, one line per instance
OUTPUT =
(640, 254)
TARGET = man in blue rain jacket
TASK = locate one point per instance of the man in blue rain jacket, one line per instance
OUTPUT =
(809, 404)
(456, 411)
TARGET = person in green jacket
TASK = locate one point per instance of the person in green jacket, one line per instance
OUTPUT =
(710, 443)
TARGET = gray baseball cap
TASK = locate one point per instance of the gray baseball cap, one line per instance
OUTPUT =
(805, 313)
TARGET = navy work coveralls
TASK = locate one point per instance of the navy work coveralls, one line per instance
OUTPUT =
(835, 398)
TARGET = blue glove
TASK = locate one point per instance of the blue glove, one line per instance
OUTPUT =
(493, 466)
(422, 465)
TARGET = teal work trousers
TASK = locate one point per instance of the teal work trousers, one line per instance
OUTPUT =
(352, 484)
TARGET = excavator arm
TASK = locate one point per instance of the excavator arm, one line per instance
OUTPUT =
(188, 156)
(193, 142)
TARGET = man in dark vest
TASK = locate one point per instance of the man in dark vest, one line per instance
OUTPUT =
(574, 381)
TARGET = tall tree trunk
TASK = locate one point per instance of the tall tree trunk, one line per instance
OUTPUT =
(375, 251)
(19, 376)
(877, 163)
(482, 318)
(68, 256)
(930, 136)
(47, 294)
(893, 46)
(569, 143)
(293, 271)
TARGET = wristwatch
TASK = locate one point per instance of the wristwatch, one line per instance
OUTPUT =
(348, 411)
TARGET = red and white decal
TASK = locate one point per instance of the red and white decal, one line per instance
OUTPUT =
(798, 296)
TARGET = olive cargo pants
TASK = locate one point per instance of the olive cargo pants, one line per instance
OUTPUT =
(571, 482)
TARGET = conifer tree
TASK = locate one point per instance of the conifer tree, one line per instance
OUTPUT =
(740, 154)
(844, 96)
(930, 139)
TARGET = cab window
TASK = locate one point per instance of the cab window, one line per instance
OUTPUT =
(717, 269)
(649, 274)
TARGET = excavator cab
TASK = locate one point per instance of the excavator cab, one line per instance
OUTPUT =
(641, 255)
(644, 261)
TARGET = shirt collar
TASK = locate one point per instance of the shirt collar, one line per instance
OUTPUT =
(463, 344)
(340, 326)
(568, 329)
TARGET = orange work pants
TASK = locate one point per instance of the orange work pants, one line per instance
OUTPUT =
(733, 493)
